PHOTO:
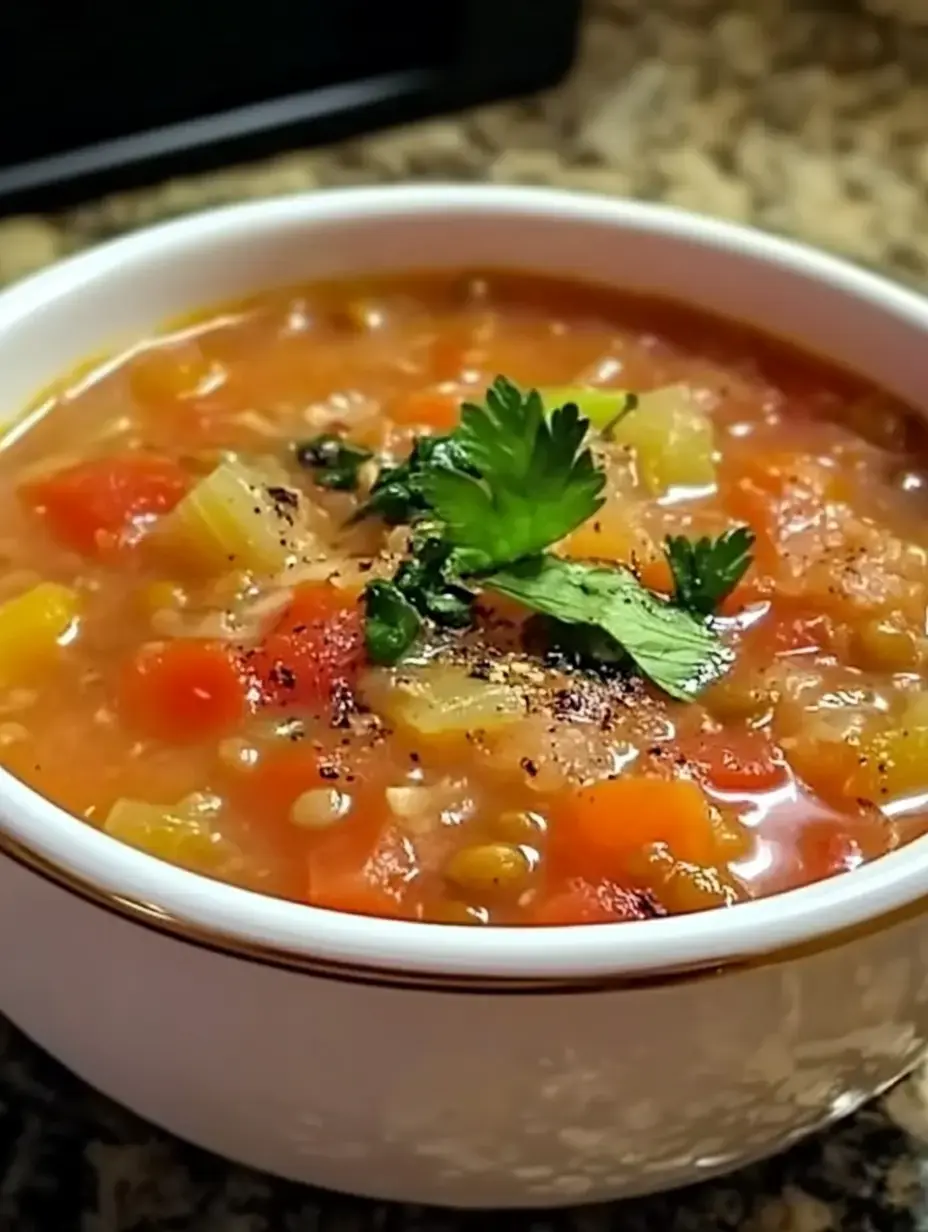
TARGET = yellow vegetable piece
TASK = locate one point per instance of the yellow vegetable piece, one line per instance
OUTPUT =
(599, 406)
(233, 519)
(32, 626)
(158, 596)
(442, 700)
(180, 834)
(672, 440)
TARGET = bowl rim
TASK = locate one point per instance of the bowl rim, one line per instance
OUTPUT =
(234, 917)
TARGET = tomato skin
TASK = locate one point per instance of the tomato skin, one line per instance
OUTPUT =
(737, 761)
(596, 902)
(182, 691)
(103, 501)
(316, 648)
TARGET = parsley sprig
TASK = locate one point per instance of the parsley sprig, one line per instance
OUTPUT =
(522, 480)
(334, 462)
(671, 647)
(706, 571)
(486, 503)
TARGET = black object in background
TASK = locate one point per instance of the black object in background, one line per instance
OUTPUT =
(108, 94)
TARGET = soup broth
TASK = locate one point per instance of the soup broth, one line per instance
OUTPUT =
(273, 610)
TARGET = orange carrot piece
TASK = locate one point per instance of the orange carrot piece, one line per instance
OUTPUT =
(606, 823)
(183, 691)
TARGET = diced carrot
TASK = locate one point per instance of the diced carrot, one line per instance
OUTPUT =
(602, 825)
(737, 760)
(750, 504)
(269, 789)
(596, 902)
(182, 691)
(427, 408)
(106, 501)
(316, 648)
(363, 873)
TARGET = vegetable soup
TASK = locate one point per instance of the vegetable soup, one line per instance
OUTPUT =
(481, 599)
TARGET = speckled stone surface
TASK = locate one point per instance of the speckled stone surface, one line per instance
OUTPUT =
(808, 117)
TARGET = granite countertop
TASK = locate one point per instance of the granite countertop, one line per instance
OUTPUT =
(808, 117)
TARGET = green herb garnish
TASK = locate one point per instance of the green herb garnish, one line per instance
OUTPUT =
(397, 496)
(526, 480)
(430, 581)
(705, 571)
(490, 499)
(335, 462)
(672, 648)
(391, 624)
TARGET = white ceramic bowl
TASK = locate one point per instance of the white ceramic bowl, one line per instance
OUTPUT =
(454, 1065)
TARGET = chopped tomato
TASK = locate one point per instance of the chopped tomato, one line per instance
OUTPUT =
(737, 760)
(182, 691)
(786, 631)
(825, 850)
(834, 845)
(596, 902)
(315, 649)
(369, 874)
(269, 788)
(602, 825)
(105, 502)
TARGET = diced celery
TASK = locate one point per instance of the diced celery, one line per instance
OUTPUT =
(600, 406)
(179, 834)
(672, 440)
(234, 519)
(32, 625)
(440, 700)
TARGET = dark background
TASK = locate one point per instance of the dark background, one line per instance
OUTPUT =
(104, 94)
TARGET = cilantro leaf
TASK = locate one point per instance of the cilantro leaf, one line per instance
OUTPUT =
(397, 495)
(526, 479)
(335, 462)
(705, 571)
(677, 652)
(429, 582)
(391, 625)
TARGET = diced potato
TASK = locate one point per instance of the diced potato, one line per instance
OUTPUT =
(672, 439)
(32, 626)
(442, 700)
(885, 645)
(233, 519)
(179, 834)
(745, 693)
(616, 534)
(892, 754)
(891, 764)
(680, 886)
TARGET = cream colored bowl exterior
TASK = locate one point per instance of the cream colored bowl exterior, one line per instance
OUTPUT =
(461, 1098)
